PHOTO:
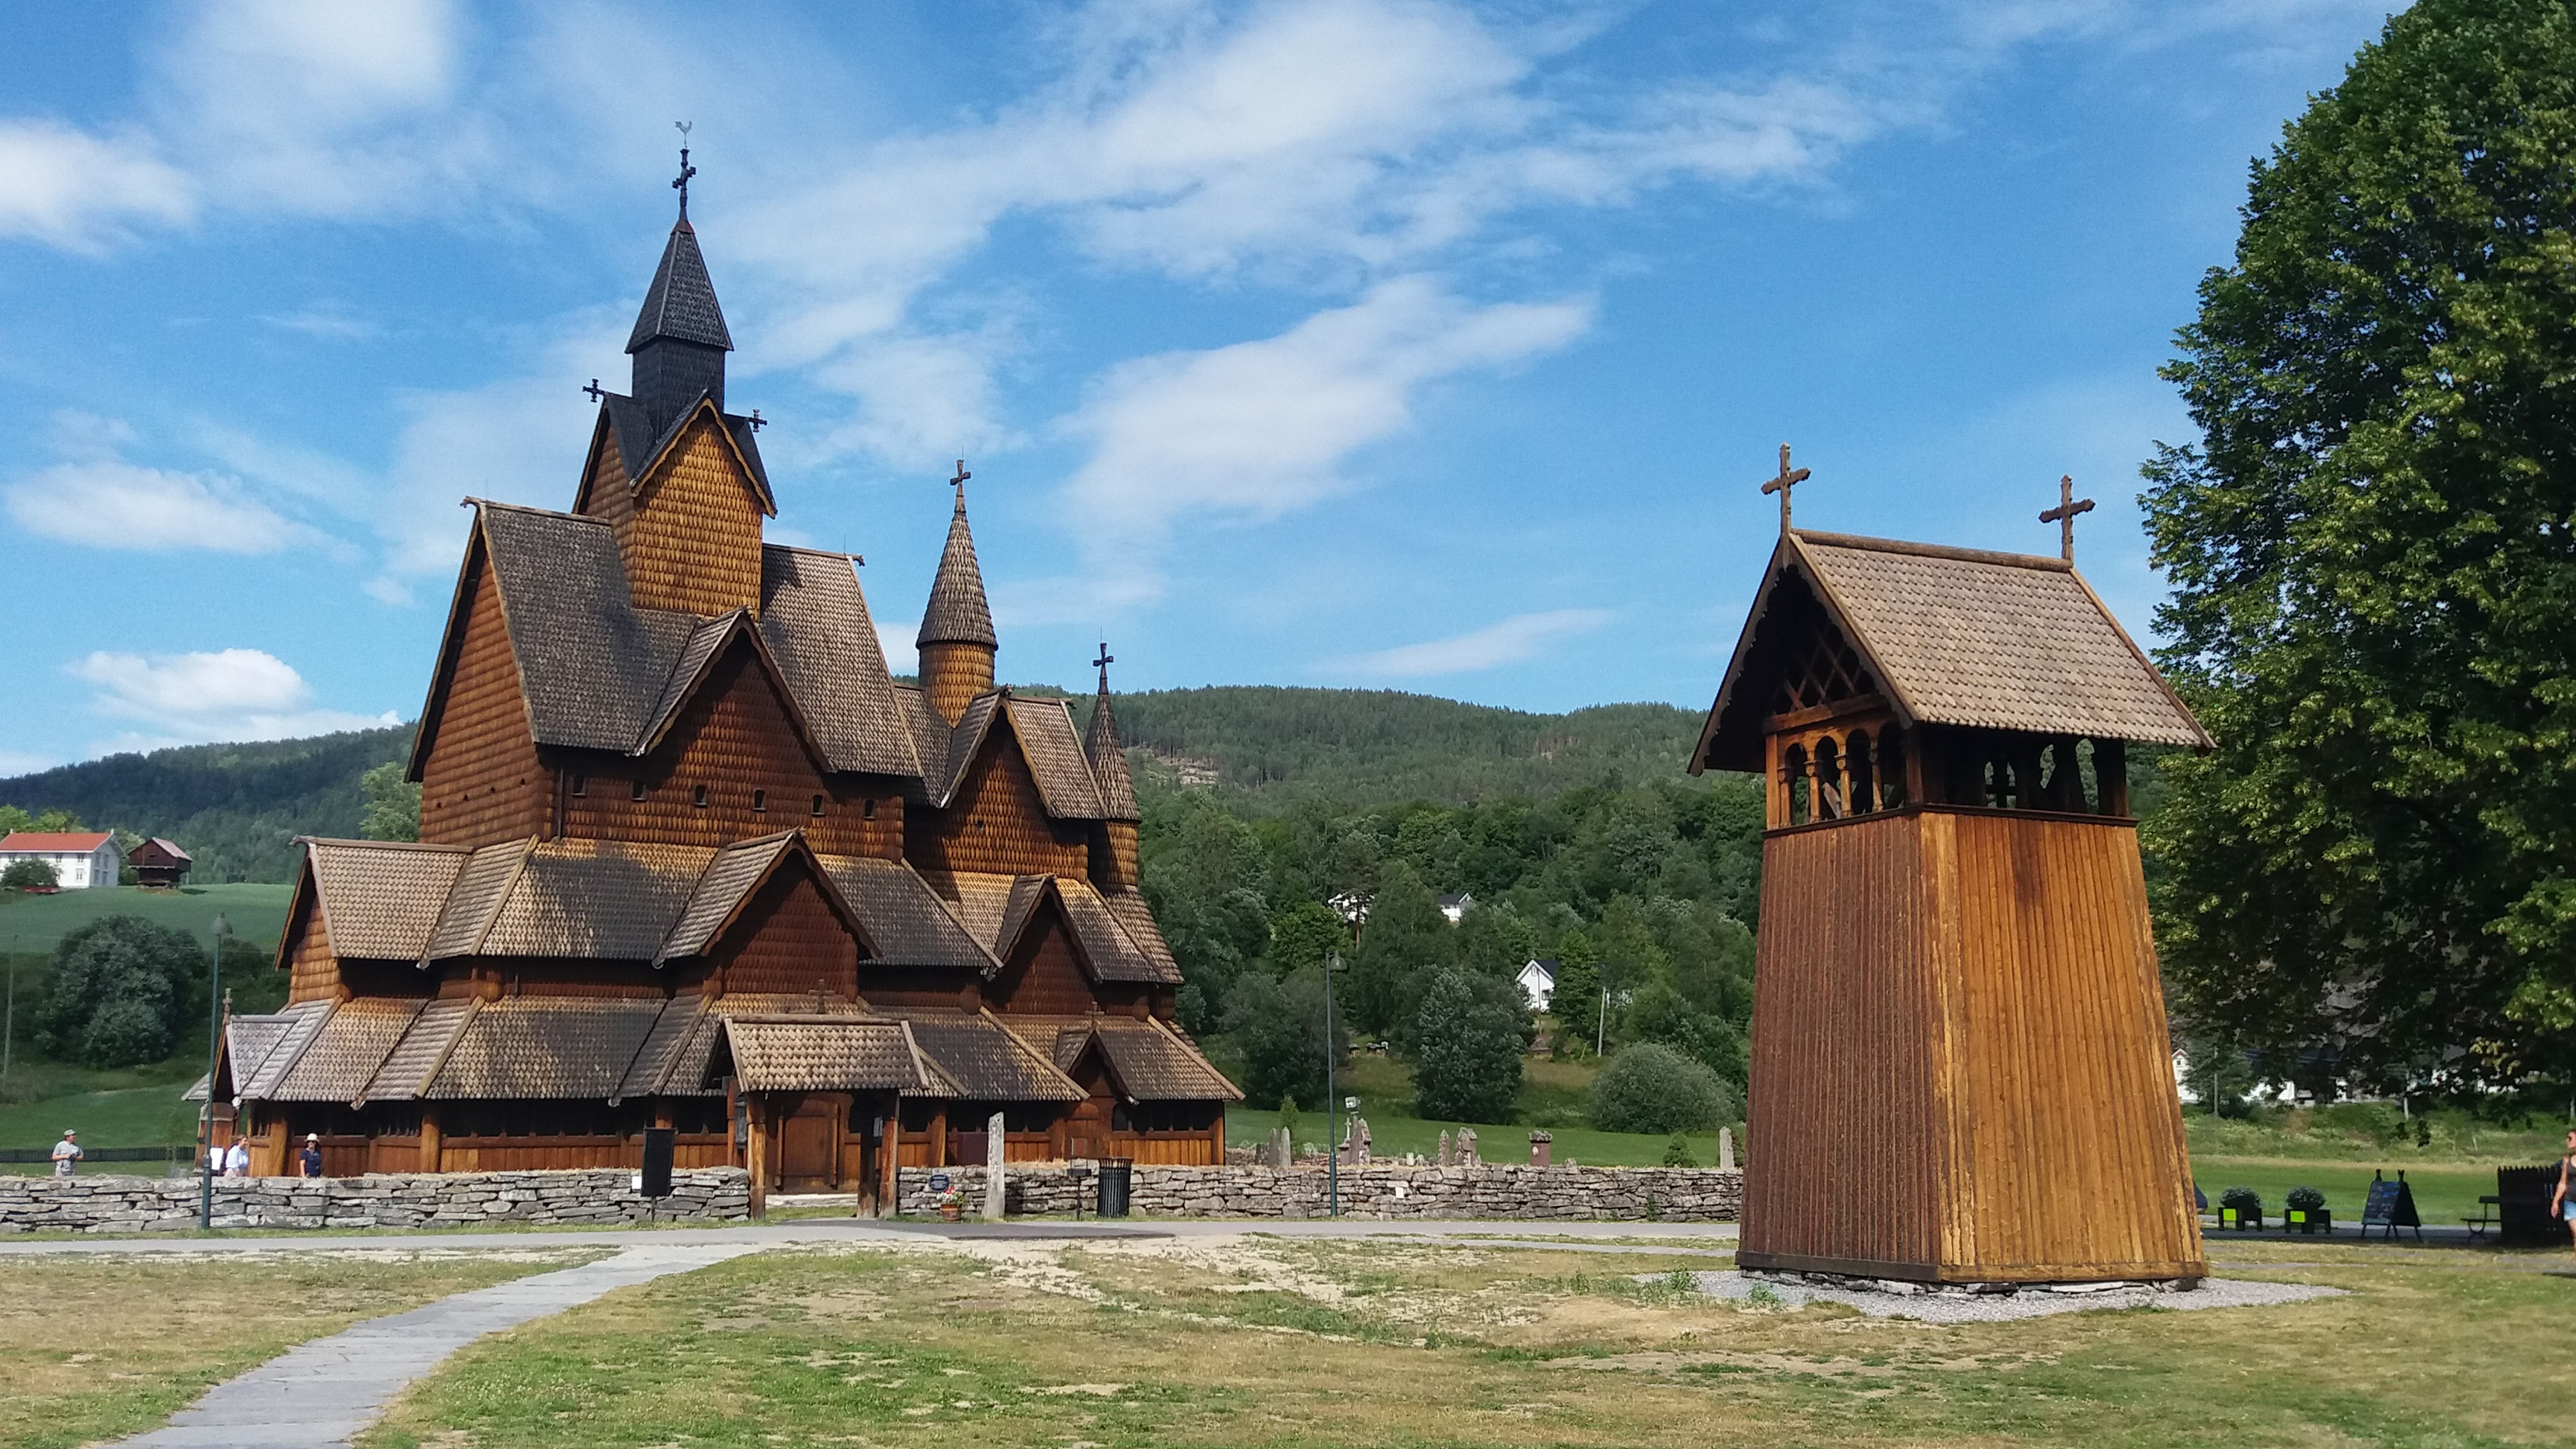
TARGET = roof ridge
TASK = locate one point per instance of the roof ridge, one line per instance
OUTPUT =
(475, 502)
(1934, 550)
(337, 840)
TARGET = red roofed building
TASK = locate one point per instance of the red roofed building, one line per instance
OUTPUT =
(80, 858)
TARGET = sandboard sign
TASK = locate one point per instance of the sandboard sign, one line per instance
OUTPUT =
(2392, 1206)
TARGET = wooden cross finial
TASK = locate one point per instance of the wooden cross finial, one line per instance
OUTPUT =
(1789, 478)
(1105, 660)
(959, 482)
(2063, 515)
(594, 389)
(686, 170)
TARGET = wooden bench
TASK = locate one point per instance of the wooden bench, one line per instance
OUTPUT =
(2486, 1217)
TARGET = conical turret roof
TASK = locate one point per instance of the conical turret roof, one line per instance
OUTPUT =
(957, 612)
(1109, 757)
(681, 305)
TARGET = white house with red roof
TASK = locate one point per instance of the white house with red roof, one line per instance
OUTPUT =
(80, 858)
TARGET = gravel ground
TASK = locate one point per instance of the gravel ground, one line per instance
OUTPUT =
(1999, 1307)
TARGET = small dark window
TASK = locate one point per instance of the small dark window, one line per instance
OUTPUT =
(698, 796)
(759, 801)
(580, 785)
(818, 804)
(867, 809)
(635, 791)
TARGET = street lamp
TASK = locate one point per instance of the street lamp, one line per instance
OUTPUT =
(1332, 1102)
(214, 1041)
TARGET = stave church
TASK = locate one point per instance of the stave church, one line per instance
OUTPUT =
(691, 857)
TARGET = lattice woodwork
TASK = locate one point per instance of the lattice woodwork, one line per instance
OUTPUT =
(482, 782)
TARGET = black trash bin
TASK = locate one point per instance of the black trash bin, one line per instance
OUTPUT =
(1113, 1186)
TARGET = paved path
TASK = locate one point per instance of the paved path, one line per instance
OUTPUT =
(323, 1393)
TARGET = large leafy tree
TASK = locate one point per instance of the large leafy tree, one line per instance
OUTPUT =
(1468, 1038)
(2373, 552)
(119, 992)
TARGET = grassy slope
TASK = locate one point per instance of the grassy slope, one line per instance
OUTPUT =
(30, 925)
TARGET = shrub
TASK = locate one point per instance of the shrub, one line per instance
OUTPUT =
(1677, 1152)
(115, 999)
(1653, 1088)
(1280, 1026)
(2306, 1199)
(2242, 1199)
(28, 874)
(1468, 1040)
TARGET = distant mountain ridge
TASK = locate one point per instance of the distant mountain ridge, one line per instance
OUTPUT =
(238, 808)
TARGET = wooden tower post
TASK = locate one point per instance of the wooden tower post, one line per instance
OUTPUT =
(1960, 1066)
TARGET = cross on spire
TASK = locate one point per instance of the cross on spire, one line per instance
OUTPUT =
(959, 483)
(1102, 664)
(686, 170)
(2063, 515)
(1789, 478)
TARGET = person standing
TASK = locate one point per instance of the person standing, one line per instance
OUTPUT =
(67, 1152)
(237, 1159)
(309, 1161)
(2562, 1202)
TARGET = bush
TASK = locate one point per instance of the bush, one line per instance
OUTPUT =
(118, 993)
(1468, 1037)
(29, 874)
(2243, 1199)
(1653, 1088)
(1677, 1152)
(1280, 1026)
(2306, 1199)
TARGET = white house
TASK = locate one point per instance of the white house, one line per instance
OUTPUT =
(1538, 983)
(80, 859)
(1455, 906)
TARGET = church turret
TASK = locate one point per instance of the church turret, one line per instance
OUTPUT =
(679, 343)
(956, 640)
(1113, 842)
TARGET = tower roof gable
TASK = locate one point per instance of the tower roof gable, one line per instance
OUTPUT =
(681, 303)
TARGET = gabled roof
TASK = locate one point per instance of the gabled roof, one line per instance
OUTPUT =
(379, 899)
(976, 1059)
(728, 883)
(1054, 752)
(416, 1059)
(1952, 637)
(1113, 933)
(561, 1047)
(304, 1022)
(171, 846)
(78, 842)
(681, 303)
(342, 1057)
(673, 1058)
(466, 916)
(814, 617)
(958, 613)
(907, 923)
(820, 1054)
(1107, 757)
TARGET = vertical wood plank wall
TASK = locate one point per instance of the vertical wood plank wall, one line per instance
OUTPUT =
(789, 941)
(482, 782)
(1960, 1066)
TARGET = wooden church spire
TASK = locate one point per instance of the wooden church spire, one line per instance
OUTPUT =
(956, 639)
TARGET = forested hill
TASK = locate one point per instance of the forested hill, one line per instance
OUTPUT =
(1261, 749)
(235, 808)
(1269, 747)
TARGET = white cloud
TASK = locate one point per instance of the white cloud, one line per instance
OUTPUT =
(1262, 428)
(112, 504)
(1519, 637)
(228, 694)
(70, 189)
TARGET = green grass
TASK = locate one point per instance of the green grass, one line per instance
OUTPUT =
(150, 1116)
(1552, 1095)
(33, 924)
(2443, 1194)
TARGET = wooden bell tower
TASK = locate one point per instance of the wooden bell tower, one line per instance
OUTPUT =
(1960, 1068)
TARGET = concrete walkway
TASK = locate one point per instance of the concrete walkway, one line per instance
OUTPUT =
(323, 1393)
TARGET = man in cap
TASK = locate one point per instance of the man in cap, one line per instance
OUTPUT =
(310, 1159)
(66, 1153)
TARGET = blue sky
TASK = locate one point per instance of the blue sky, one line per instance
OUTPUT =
(1366, 342)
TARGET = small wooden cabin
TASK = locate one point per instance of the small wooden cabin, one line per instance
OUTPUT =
(690, 858)
(1960, 1067)
(160, 863)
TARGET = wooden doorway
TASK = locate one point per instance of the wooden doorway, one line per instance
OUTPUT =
(809, 1145)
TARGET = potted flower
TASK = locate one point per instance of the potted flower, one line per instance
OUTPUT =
(2240, 1207)
(952, 1206)
(2307, 1211)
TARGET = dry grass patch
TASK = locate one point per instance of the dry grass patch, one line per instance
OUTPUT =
(95, 1348)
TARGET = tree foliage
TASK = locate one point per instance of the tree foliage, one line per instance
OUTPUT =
(2373, 554)
(13, 818)
(1279, 1027)
(393, 803)
(1653, 1088)
(29, 874)
(1469, 1035)
(117, 996)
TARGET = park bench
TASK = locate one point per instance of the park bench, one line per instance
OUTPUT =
(2486, 1217)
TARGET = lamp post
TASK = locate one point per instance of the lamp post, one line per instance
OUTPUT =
(1332, 1102)
(214, 1042)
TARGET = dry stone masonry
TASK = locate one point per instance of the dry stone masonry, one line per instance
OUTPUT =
(107, 1204)
(1376, 1190)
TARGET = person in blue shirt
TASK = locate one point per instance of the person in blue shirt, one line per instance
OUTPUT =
(310, 1159)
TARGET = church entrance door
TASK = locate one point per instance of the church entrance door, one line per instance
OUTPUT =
(809, 1147)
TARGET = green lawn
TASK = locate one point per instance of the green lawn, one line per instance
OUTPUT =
(1552, 1095)
(30, 925)
(2443, 1195)
(150, 1116)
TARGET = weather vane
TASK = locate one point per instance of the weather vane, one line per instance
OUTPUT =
(686, 170)
(1781, 485)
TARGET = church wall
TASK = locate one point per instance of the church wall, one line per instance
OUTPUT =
(693, 543)
(920, 987)
(1043, 975)
(313, 973)
(606, 493)
(734, 738)
(787, 939)
(997, 824)
(482, 782)
(1113, 853)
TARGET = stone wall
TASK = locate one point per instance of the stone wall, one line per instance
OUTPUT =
(1638, 1194)
(109, 1204)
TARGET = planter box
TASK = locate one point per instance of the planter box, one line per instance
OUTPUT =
(2309, 1220)
(2229, 1217)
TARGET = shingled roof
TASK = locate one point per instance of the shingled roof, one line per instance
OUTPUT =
(545, 1047)
(815, 620)
(1108, 759)
(957, 612)
(681, 303)
(1949, 636)
(820, 1054)
(380, 899)
(976, 1059)
(906, 922)
(1044, 728)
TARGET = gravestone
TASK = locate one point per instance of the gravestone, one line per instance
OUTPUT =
(1444, 1147)
(1467, 1148)
(1726, 1149)
(993, 1169)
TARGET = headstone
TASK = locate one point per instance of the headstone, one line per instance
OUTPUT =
(1444, 1147)
(1467, 1148)
(1726, 1149)
(993, 1169)
(1541, 1144)
(1364, 1137)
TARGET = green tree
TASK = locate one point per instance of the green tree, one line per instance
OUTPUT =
(1279, 1026)
(46, 821)
(1302, 934)
(1468, 1040)
(393, 803)
(1652, 1088)
(2373, 555)
(118, 992)
(1661, 1014)
(29, 874)
(1404, 939)
(1494, 939)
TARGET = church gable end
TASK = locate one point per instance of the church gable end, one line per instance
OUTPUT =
(692, 543)
(1043, 975)
(788, 940)
(480, 780)
(997, 822)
